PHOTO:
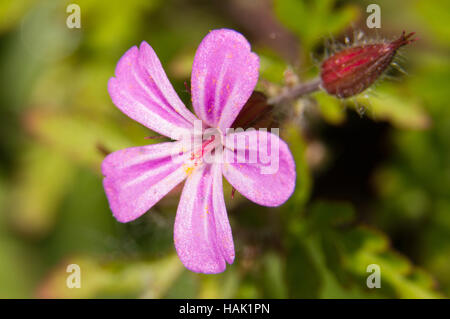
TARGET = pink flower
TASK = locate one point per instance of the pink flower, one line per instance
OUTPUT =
(224, 75)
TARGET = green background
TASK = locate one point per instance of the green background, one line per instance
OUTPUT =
(373, 171)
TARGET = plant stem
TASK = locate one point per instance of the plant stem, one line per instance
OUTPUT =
(296, 92)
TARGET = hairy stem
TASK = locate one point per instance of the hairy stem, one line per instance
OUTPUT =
(296, 92)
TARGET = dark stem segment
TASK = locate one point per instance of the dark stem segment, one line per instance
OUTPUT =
(296, 92)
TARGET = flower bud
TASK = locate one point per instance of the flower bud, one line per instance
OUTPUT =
(351, 71)
(256, 113)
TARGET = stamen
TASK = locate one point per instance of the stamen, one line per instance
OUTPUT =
(206, 143)
(186, 86)
(154, 137)
(199, 154)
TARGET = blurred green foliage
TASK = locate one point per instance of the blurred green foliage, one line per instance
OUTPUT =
(312, 21)
(57, 123)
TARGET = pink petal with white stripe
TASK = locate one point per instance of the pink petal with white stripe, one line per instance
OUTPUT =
(224, 74)
(137, 178)
(202, 233)
(142, 91)
(260, 166)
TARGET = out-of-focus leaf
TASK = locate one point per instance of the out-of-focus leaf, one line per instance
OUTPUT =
(402, 280)
(271, 67)
(181, 65)
(273, 276)
(44, 33)
(2, 199)
(333, 257)
(313, 20)
(79, 138)
(99, 279)
(299, 263)
(15, 274)
(42, 39)
(85, 224)
(415, 185)
(337, 282)
(403, 112)
(210, 287)
(303, 183)
(324, 215)
(35, 196)
(434, 14)
(230, 281)
(185, 286)
(223, 285)
(431, 80)
(88, 87)
(248, 290)
(359, 247)
(331, 108)
(403, 200)
(11, 12)
(111, 25)
(437, 239)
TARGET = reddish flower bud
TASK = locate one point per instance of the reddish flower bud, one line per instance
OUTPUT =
(256, 113)
(353, 70)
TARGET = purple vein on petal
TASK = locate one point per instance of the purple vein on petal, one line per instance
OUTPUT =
(224, 75)
(202, 233)
(137, 178)
(135, 93)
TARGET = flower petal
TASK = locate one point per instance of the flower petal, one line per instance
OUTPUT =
(260, 166)
(224, 75)
(142, 91)
(137, 178)
(202, 233)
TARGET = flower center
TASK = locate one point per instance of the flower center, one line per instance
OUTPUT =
(204, 147)
(198, 155)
